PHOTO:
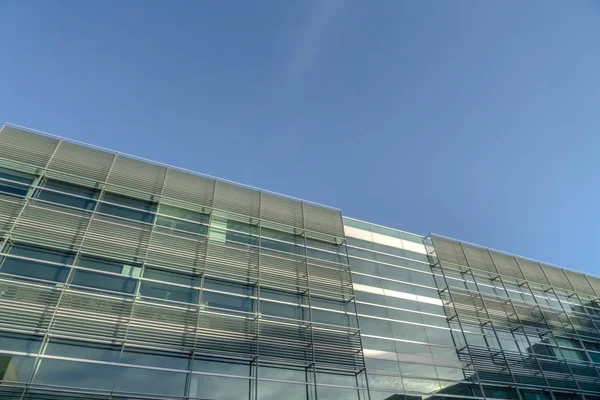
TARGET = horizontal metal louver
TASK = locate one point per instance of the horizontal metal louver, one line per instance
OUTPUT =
(330, 282)
(163, 327)
(507, 265)
(231, 260)
(9, 210)
(46, 224)
(283, 341)
(177, 250)
(81, 161)
(479, 258)
(117, 238)
(323, 220)
(595, 283)
(533, 271)
(137, 175)
(237, 199)
(190, 188)
(557, 277)
(25, 306)
(88, 315)
(580, 284)
(282, 210)
(226, 335)
(284, 272)
(26, 147)
(449, 251)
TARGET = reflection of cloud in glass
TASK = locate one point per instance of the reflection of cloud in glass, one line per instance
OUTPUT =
(222, 388)
(68, 373)
(421, 385)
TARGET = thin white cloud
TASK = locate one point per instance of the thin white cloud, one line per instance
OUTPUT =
(311, 38)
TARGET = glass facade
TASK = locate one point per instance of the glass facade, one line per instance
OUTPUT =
(122, 278)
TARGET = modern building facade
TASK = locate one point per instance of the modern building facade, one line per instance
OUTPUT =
(122, 278)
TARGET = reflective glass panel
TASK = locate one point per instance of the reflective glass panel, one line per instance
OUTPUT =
(19, 185)
(128, 207)
(68, 194)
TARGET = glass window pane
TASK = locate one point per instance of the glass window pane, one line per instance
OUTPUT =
(227, 286)
(219, 388)
(334, 393)
(70, 194)
(172, 277)
(42, 253)
(35, 269)
(169, 292)
(128, 207)
(32, 269)
(75, 374)
(15, 368)
(20, 342)
(221, 366)
(83, 350)
(116, 267)
(104, 281)
(282, 390)
(283, 310)
(221, 300)
(138, 380)
(155, 358)
(19, 185)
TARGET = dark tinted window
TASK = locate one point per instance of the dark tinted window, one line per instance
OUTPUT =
(36, 269)
(68, 194)
(128, 207)
(14, 183)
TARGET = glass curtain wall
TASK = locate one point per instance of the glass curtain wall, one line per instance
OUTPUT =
(124, 279)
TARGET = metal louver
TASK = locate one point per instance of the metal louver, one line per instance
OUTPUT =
(580, 284)
(323, 220)
(281, 210)
(137, 175)
(26, 147)
(26, 307)
(237, 199)
(193, 189)
(479, 258)
(9, 210)
(449, 251)
(176, 250)
(116, 238)
(81, 161)
(557, 277)
(46, 224)
(507, 265)
(533, 271)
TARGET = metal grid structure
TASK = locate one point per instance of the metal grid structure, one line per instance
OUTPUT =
(123, 279)
(520, 323)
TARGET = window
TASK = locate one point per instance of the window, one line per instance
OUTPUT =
(221, 300)
(14, 183)
(128, 207)
(168, 291)
(241, 232)
(68, 194)
(292, 310)
(125, 283)
(181, 219)
(37, 269)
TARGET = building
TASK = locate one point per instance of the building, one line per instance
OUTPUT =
(122, 278)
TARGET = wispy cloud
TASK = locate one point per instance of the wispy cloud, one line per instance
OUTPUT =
(313, 35)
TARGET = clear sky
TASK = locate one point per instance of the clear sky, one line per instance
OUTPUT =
(479, 120)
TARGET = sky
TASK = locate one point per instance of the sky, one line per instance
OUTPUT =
(477, 120)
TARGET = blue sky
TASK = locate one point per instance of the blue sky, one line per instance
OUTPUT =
(474, 119)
